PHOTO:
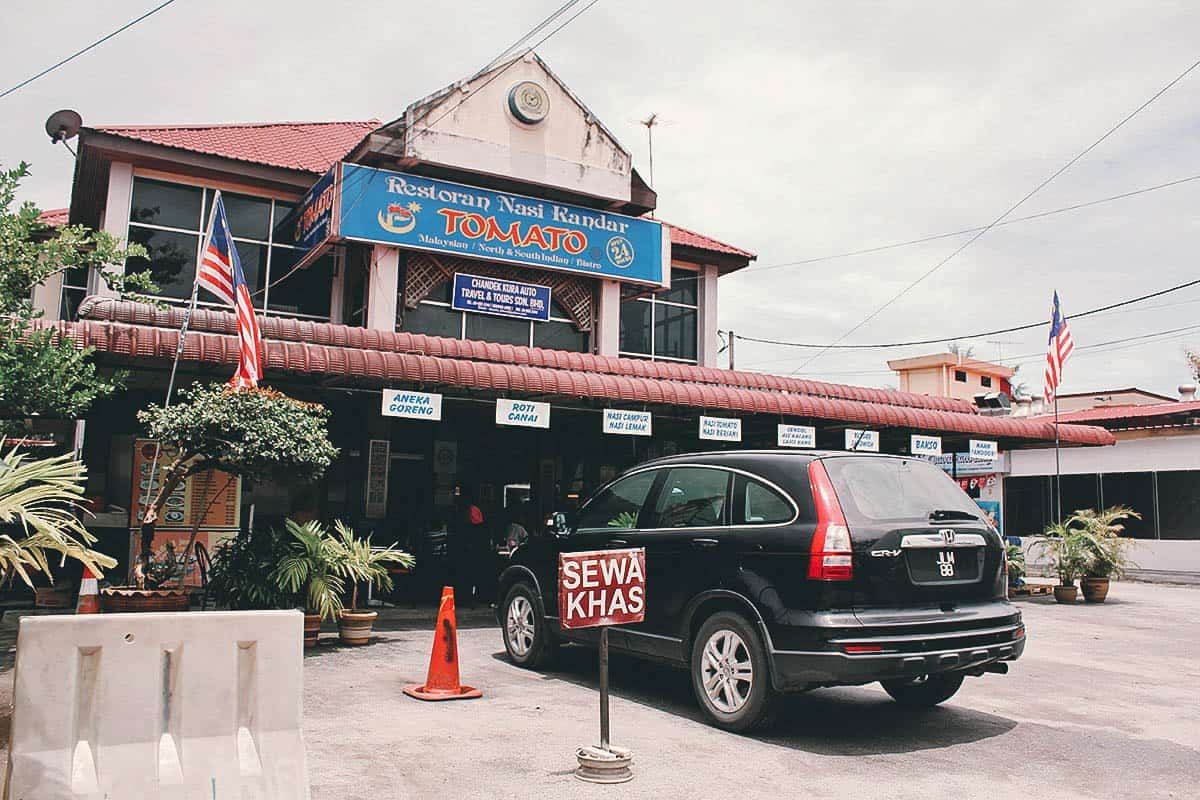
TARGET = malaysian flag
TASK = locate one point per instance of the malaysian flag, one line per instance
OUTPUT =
(221, 273)
(1059, 349)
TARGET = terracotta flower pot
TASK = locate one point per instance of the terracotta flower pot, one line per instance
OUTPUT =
(128, 600)
(312, 629)
(1095, 590)
(354, 627)
(1066, 594)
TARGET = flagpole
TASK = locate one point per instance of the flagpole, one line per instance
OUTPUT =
(1057, 464)
(189, 309)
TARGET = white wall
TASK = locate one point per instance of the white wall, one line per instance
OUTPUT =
(1146, 454)
(1155, 559)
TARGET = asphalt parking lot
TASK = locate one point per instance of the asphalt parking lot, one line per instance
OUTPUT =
(1103, 705)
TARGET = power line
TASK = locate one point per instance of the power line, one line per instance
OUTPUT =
(1014, 329)
(78, 53)
(941, 263)
(1098, 348)
(951, 234)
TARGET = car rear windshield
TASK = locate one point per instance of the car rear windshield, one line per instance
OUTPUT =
(873, 490)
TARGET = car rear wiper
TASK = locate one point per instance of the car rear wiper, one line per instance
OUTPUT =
(939, 514)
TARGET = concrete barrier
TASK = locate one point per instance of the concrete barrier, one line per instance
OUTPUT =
(173, 705)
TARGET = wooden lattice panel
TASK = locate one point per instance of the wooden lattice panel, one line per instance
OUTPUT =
(426, 272)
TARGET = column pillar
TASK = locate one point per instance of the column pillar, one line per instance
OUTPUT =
(114, 219)
(707, 343)
(384, 285)
(607, 321)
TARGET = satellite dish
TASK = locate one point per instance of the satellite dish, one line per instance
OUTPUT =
(63, 125)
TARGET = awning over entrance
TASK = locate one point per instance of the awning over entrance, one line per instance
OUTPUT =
(291, 346)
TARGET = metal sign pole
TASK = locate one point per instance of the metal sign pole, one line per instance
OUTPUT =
(604, 745)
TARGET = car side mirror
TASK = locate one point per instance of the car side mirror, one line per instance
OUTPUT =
(558, 524)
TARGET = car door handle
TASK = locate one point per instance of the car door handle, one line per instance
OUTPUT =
(617, 543)
(706, 544)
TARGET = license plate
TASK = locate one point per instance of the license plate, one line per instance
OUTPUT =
(949, 565)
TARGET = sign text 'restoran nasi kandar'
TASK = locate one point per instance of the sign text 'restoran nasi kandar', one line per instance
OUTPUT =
(601, 587)
(426, 214)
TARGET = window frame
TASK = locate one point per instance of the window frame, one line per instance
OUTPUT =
(741, 485)
(651, 493)
(962, 373)
(462, 322)
(985, 381)
(206, 196)
(651, 504)
(654, 301)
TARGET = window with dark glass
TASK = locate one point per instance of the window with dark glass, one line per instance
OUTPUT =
(960, 376)
(664, 324)
(1134, 490)
(171, 220)
(435, 316)
(760, 504)
(1179, 504)
(691, 497)
(619, 505)
(985, 380)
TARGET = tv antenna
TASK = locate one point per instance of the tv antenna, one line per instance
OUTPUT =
(63, 125)
(650, 122)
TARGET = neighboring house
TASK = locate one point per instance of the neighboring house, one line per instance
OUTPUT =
(951, 375)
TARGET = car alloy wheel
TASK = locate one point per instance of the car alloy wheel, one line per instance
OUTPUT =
(519, 626)
(727, 671)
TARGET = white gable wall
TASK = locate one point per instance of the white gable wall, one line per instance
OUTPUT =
(568, 149)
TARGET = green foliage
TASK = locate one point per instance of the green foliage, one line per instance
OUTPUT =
(39, 503)
(1014, 560)
(313, 566)
(362, 564)
(321, 562)
(40, 376)
(1100, 536)
(254, 433)
(1089, 543)
(242, 568)
(626, 519)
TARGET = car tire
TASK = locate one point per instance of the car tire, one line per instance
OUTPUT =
(527, 637)
(924, 691)
(730, 674)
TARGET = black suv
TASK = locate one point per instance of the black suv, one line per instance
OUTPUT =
(774, 571)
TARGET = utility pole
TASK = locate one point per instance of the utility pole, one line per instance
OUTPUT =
(732, 339)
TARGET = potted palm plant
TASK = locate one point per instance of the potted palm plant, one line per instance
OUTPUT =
(362, 563)
(314, 566)
(1068, 558)
(1106, 549)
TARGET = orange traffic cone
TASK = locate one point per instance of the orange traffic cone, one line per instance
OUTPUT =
(442, 681)
(89, 594)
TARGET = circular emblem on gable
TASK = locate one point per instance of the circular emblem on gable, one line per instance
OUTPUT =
(528, 102)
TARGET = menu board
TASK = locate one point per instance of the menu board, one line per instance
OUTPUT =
(210, 496)
(378, 461)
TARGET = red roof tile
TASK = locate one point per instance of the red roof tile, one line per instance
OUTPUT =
(54, 216)
(309, 146)
(685, 238)
(401, 342)
(1121, 413)
(358, 352)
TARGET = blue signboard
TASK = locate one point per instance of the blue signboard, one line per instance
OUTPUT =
(315, 215)
(501, 297)
(411, 211)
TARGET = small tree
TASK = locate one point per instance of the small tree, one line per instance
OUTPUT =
(252, 433)
(1193, 358)
(41, 375)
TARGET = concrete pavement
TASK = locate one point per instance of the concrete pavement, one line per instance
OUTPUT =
(1104, 704)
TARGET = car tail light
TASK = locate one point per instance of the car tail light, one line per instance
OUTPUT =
(863, 648)
(830, 557)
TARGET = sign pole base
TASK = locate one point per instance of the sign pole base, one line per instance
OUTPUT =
(597, 765)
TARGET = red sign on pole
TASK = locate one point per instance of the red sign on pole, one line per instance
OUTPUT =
(601, 587)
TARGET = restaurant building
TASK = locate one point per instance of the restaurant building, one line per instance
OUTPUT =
(478, 290)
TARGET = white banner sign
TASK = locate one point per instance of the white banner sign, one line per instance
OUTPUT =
(627, 423)
(412, 405)
(926, 445)
(864, 441)
(981, 448)
(796, 436)
(523, 413)
(721, 429)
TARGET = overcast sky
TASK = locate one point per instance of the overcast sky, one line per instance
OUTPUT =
(796, 130)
